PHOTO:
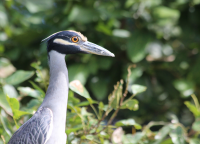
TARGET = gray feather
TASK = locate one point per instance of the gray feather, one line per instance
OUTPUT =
(36, 130)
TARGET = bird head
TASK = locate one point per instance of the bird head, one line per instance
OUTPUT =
(71, 42)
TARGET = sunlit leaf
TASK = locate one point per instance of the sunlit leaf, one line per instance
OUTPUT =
(27, 91)
(77, 87)
(85, 103)
(17, 113)
(5, 123)
(15, 105)
(177, 135)
(84, 112)
(128, 122)
(10, 90)
(186, 87)
(194, 141)
(132, 139)
(163, 132)
(36, 5)
(196, 125)
(4, 103)
(121, 33)
(6, 68)
(3, 16)
(73, 129)
(13, 102)
(131, 105)
(166, 12)
(33, 104)
(138, 89)
(101, 105)
(167, 141)
(78, 72)
(89, 137)
(82, 15)
(192, 108)
(19, 77)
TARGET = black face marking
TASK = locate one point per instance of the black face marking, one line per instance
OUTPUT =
(65, 48)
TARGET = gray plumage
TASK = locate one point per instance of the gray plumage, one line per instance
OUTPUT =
(36, 130)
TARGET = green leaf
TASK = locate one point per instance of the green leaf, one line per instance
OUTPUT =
(82, 15)
(6, 68)
(177, 135)
(101, 106)
(138, 89)
(78, 72)
(71, 99)
(17, 114)
(89, 137)
(196, 125)
(132, 139)
(5, 123)
(131, 105)
(165, 12)
(136, 47)
(84, 112)
(4, 103)
(163, 132)
(70, 138)
(27, 91)
(194, 141)
(74, 129)
(186, 87)
(34, 104)
(77, 87)
(192, 108)
(128, 122)
(105, 108)
(116, 95)
(167, 141)
(19, 77)
(37, 88)
(10, 90)
(13, 102)
(121, 33)
(36, 5)
(85, 103)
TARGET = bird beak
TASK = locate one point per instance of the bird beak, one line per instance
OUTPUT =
(92, 48)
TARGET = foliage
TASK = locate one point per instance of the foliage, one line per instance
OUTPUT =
(84, 126)
(161, 37)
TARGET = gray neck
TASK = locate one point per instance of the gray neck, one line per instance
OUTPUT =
(57, 96)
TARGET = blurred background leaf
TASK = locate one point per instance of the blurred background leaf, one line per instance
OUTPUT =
(161, 37)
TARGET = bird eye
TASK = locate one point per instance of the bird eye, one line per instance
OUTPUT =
(75, 39)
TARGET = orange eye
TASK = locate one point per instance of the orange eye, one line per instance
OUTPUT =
(75, 39)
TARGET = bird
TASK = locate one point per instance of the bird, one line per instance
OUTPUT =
(47, 125)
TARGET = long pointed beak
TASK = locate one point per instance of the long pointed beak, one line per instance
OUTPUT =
(92, 48)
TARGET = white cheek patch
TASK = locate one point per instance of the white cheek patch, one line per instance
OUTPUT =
(63, 42)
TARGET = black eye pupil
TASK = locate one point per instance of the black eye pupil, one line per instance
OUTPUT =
(75, 39)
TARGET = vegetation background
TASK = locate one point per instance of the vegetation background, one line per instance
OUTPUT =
(161, 37)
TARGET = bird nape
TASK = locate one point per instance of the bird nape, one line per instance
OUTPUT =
(47, 125)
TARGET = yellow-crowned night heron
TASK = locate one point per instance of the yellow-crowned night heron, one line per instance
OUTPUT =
(47, 125)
